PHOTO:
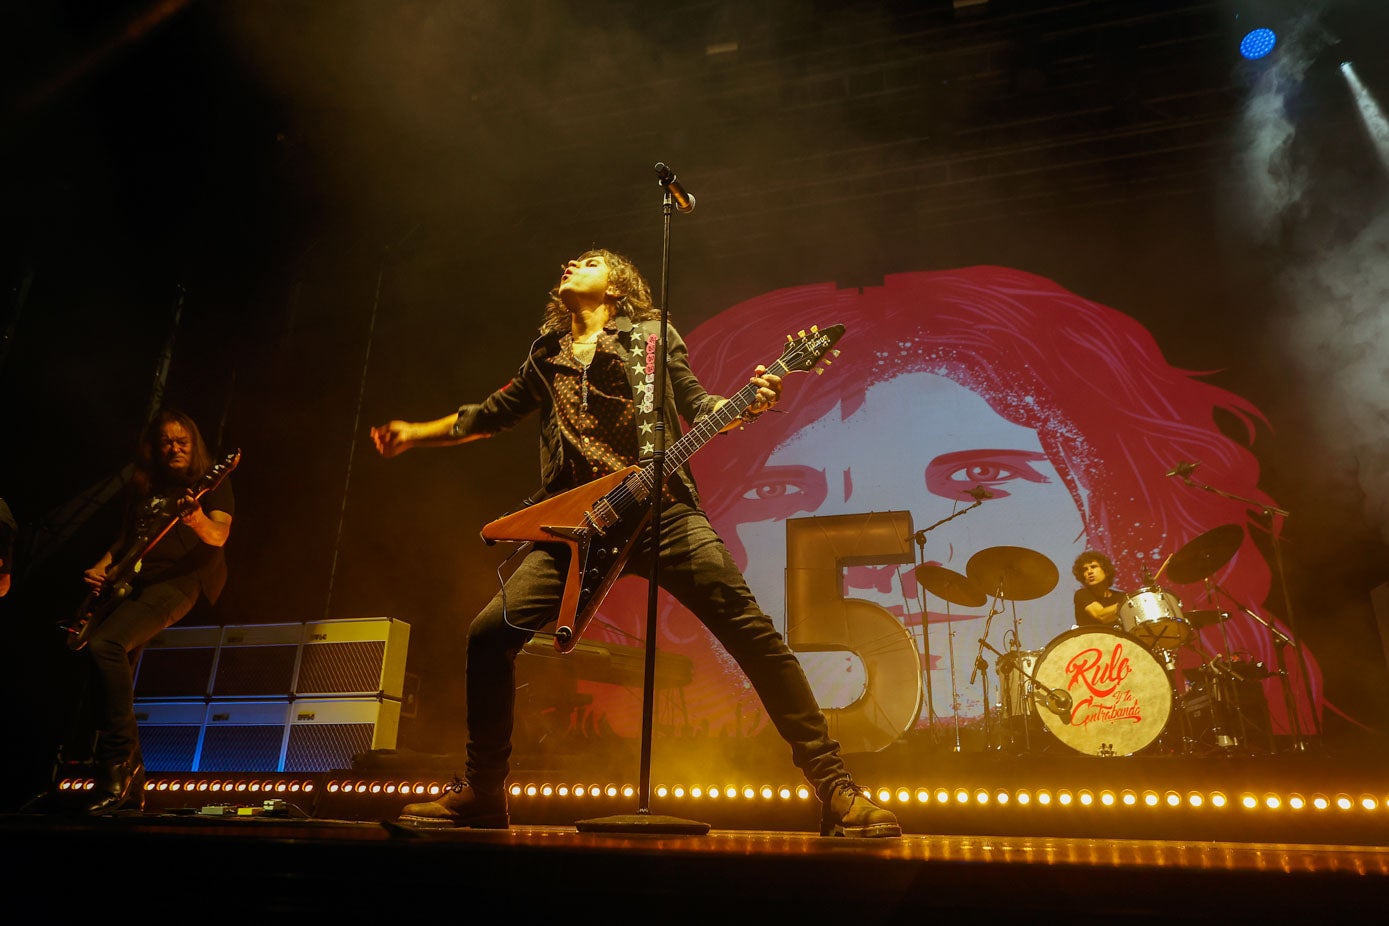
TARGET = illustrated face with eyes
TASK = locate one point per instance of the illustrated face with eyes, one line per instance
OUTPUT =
(918, 442)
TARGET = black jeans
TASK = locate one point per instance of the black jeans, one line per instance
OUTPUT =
(697, 569)
(113, 647)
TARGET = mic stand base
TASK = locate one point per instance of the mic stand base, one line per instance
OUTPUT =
(653, 823)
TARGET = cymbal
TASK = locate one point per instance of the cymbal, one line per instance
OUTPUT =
(1200, 558)
(1014, 573)
(950, 585)
(1200, 619)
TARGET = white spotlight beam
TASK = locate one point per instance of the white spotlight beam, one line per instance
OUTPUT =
(1370, 113)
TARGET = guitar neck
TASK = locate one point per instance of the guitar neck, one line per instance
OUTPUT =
(699, 435)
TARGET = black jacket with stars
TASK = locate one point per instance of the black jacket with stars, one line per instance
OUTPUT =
(530, 390)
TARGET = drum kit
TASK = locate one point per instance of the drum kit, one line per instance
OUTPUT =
(1110, 691)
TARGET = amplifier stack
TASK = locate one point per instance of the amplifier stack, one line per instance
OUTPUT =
(304, 697)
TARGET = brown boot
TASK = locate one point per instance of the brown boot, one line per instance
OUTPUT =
(460, 805)
(850, 812)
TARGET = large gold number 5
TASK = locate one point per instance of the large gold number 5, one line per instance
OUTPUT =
(820, 619)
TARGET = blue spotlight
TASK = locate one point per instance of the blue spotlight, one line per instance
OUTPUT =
(1257, 43)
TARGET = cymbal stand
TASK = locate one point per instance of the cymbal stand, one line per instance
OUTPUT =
(920, 538)
(1280, 640)
(954, 687)
(926, 673)
(981, 666)
(1055, 700)
(1213, 662)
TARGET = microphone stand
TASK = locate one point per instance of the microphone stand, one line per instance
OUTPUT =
(920, 538)
(1279, 640)
(981, 665)
(643, 821)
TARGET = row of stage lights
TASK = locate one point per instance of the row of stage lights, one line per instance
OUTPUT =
(958, 797)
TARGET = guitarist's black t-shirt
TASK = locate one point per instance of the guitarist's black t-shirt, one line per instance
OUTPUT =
(180, 552)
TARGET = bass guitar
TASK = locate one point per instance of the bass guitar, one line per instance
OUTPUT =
(157, 517)
(601, 521)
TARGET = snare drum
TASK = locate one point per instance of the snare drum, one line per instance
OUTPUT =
(1154, 617)
(1119, 695)
(1015, 669)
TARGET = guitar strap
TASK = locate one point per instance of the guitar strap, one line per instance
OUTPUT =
(641, 372)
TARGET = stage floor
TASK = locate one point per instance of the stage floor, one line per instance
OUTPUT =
(183, 865)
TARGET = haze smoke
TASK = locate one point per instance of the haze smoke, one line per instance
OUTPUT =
(1338, 278)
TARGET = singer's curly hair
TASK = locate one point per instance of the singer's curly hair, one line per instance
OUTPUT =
(634, 294)
(1093, 556)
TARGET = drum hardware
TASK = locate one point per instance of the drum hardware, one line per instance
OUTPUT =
(981, 667)
(1154, 617)
(1280, 642)
(950, 586)
(1266, 515)
(1225, 709)
(1201, 619)
(1200, 558)
(1011, 574)
(1016, 573)
(1021, 690)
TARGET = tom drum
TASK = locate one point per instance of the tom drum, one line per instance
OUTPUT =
(1155, 618)
(1117, 696)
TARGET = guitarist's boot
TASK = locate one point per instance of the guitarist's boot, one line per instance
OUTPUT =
(460, 805)
(120, 786)
(850, 812)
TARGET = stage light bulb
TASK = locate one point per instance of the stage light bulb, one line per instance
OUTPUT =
(1257, 43)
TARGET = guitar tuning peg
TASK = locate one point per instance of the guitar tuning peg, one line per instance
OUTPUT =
(819, 372)
(814, 329)
(801, 333)
(790, 338)
(826, 361)
(835, 352)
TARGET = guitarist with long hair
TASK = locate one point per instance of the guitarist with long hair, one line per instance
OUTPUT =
(589, 376)
(186, 562)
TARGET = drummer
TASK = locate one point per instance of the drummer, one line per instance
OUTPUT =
(1096, 601)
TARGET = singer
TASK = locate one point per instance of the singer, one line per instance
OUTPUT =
(585, 376)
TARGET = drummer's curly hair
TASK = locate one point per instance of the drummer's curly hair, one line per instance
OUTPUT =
(1093, 556)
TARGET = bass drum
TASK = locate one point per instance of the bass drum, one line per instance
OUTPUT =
(1120, 697)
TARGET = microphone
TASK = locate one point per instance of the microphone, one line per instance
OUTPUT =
(684, 202)
(979, 666)
(1182, 469)
(979, 493)
(1059, 703)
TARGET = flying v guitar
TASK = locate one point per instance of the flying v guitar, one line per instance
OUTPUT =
(600, 521)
